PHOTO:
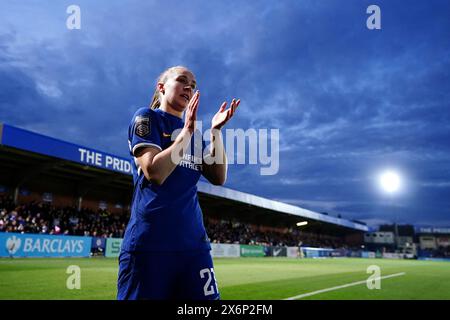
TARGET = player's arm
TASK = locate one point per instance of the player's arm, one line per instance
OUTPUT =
(216, 171)
(157, 165)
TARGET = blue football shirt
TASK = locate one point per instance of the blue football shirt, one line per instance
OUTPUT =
(165, 217)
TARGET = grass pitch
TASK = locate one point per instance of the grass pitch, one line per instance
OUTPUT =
(239, 278)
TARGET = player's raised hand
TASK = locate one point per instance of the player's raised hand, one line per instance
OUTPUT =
(222, 116)
(191, 112)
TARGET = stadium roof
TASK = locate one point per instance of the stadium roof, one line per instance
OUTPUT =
(83, 163)
(275, 205)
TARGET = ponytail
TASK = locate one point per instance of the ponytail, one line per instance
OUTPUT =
(155, 100)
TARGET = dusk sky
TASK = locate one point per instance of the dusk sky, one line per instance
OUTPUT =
(349, 102)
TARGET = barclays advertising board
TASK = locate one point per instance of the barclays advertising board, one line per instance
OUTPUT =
(41, 245)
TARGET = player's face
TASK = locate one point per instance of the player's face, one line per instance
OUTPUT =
(179, 88)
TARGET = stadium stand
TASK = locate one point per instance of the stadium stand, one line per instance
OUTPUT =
(55, 187)
(43, 218)
(237, 232)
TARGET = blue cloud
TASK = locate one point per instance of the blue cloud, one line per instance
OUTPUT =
(347, 101)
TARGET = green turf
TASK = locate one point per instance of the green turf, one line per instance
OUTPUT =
(242, 278)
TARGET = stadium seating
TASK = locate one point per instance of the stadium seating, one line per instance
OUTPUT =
(39, 217)
(43, 218)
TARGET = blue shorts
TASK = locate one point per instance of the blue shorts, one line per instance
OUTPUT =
(166, 275)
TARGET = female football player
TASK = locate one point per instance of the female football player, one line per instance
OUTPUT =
(165, 253)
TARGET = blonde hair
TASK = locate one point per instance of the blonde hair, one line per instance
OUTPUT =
(156, 100)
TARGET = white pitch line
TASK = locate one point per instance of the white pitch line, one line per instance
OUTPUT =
(300, 296)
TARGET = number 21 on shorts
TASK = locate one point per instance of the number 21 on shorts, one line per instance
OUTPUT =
(209, 288)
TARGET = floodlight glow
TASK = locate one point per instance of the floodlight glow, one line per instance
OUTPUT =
(303, 223)
(390, 181)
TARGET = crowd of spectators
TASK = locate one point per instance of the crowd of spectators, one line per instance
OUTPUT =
(232, 231)
(43, 218)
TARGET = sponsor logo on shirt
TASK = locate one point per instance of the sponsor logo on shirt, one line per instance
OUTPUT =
(191, 162)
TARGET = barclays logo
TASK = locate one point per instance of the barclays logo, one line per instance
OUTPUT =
(35, 245)
(13, 244)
